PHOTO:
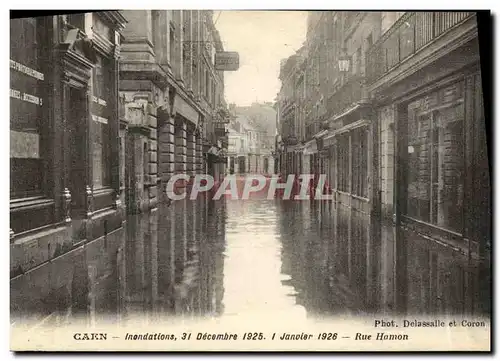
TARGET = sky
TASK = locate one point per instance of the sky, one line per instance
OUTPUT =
(262, 39)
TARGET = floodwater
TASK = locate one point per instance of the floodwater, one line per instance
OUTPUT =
(299, 259)
(261, 258)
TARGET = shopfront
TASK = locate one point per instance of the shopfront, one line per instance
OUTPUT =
(346, 160)
(63, 127)
(33, 202)
(442, 178)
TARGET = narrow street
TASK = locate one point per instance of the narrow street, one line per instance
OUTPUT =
(275, 259)
(370, 129)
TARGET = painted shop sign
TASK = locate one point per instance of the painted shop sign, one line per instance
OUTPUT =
(99, 101)
(16, 94)
(97, 118)
(26, 70)
(24, 137)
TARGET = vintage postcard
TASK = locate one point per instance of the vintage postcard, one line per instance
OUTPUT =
(216, 180)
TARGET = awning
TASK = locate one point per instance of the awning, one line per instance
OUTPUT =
(346, 112)
(348, 127)
(311, 147)
(321, 134)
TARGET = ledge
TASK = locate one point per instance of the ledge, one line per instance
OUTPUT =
(30, 203)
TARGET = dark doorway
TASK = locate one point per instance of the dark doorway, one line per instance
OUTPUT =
(77, 125)
(241, 165)
(231, 165)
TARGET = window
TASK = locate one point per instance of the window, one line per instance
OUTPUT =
(202, 81)
(27, 106)
(100, 132)
(389, 18)
(343, 163)
(186, 47)
(172, 44)
(357, 69)
(435, 158)
(360, 162)
(77, 21)
(207, 83)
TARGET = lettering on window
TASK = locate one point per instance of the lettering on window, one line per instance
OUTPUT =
(25, 97)
(26, 70)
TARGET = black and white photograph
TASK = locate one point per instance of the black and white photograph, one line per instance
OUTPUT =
(250, 180)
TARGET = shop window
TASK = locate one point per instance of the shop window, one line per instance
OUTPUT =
(343, 163)
(27, 107)
(360, 163)
(435, 158)
(100, 132)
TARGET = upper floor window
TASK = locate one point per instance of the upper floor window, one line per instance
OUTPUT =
(358, 66)
(76, 20)
(100, 132)
(389, 18)
(172, 38)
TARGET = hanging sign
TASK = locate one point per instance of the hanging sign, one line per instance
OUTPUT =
(227, 61)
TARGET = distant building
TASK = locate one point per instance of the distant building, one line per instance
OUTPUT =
(247, 152)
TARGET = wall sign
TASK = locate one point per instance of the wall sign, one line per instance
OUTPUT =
(26, 70)
(26, 97)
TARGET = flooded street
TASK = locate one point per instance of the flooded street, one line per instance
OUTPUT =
(271, 258)
(258, 259)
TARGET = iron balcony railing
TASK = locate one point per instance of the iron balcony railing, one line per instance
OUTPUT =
(406, 37)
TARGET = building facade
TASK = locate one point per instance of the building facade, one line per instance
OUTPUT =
(247, 152)
(395, 121)
(289, 104)
(173, 99)
(65, 188)
(434, 175)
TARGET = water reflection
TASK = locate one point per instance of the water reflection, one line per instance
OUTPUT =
(253, 259)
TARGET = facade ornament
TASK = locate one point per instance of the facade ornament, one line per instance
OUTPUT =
(89, 193)
(67, 205)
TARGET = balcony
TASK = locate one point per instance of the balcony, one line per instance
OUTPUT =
(411, 33)
(348, 94)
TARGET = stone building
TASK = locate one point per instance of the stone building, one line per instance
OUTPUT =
(289, 103)
(65, 207)
(173, 99)
(434, 174)
(248, 150)
(402, 134)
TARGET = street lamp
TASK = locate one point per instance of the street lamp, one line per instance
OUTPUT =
(344, 61)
